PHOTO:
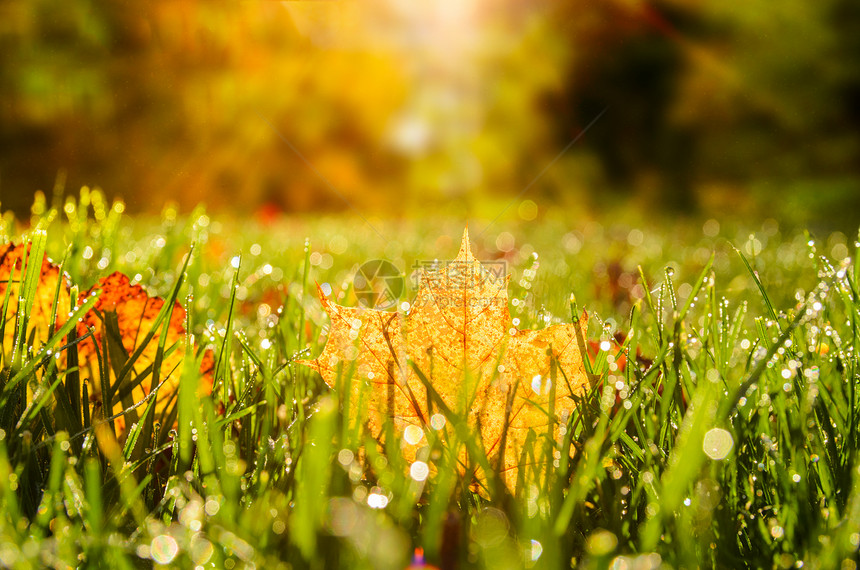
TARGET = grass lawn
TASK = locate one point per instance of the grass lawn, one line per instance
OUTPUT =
(726, 437)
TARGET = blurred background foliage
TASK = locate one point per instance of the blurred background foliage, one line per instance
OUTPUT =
(402, 106)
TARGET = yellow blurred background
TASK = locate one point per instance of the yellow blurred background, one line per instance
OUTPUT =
(393, 107)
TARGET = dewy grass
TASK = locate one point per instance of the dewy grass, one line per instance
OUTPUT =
(721, 429)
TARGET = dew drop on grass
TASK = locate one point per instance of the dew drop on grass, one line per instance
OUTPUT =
(601, 542)
(212, 507)
(345, 457)
(419, 471)
(535, 549)
(278, 527)
(163, 549)
(413, 434)
(717, 443)
(437, 421)
(537, 384)
(376, 500)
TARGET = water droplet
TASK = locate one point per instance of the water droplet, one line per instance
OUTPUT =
(163, 549)
(376, 500)
(717, 443)
(345, 457)
(437, 421)
(419, 471)
(413, 434)
(535, 549)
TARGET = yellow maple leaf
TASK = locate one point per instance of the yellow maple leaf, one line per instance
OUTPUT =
(458, 333)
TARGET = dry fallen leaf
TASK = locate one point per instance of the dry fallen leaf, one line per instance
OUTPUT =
(458, 332)
(135, 313)
(124, 311)
(11, 262)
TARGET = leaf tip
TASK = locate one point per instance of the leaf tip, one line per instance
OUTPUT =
(465, 248)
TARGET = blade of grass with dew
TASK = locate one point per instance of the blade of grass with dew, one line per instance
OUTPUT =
(586, 474)
(311, 484)
(305, 273)
(51, 502)
(167, 309)
(31, 267)
(6, 358)
(465, 434)
(29, 367)
(222, 365)
(95, 508)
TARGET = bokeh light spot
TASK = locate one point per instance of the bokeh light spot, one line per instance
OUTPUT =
(419, 471)
(718, 443)
(163, 549)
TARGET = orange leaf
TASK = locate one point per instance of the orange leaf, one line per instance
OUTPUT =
(11, 260)
(135, 312)
(458, 332)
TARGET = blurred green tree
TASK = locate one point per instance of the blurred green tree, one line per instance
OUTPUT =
(712, 104)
